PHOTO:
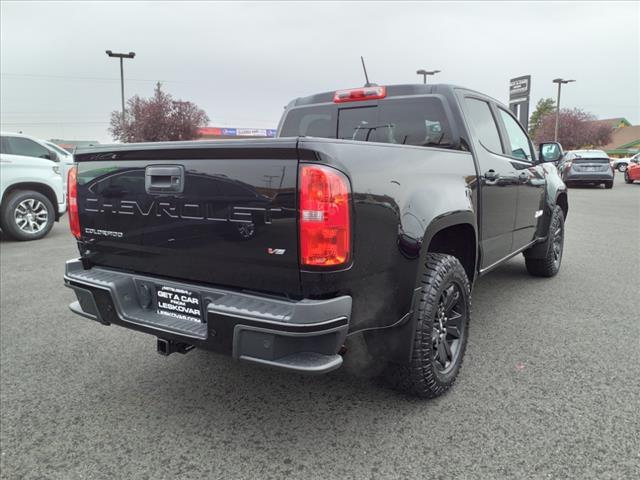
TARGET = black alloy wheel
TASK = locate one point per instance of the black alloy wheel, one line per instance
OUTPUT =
(558, 245)
(448, 328)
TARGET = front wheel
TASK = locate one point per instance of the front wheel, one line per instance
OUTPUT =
(622, 167)
(441, 330)
(549, 265)
(27, 215)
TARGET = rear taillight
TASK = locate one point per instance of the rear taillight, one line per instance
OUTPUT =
(72, 201)
(325, 226)
(359, 94)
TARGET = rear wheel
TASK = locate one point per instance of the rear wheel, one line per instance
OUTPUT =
(549, 265)
(608, 184)
(626, 177)
(440, 330)
(27, 215)
(622, 167)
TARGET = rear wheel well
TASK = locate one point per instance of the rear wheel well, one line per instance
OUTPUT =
(563, 203)
(460, 242)
(45, 190)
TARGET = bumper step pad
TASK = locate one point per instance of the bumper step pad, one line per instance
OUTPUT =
(303, 335)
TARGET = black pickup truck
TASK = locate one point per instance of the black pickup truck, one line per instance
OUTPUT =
(356, 235)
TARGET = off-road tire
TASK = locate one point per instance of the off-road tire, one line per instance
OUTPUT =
(550, 264)
(421, 377)
(12, 202)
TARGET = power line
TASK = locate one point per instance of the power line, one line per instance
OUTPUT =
(102, 114)
(54, 123)
(99, 79)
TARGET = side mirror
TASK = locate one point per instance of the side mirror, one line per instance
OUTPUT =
(550, 152)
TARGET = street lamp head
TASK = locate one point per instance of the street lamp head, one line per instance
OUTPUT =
(120, 55)
(562, 80)
(427, 72)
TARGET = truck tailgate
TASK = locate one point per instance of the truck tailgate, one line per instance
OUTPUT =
(221, 213)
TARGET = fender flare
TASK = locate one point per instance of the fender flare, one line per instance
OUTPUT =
(397, 340)
(539, 250)
(446, 220)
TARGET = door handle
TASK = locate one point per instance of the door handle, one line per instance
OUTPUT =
(164, 179)
(491, 175)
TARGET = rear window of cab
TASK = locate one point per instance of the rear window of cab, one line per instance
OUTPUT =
(415, 121)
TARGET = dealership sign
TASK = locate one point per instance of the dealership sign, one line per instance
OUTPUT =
(519, 90)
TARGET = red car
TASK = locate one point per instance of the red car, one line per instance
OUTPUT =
(632, 172)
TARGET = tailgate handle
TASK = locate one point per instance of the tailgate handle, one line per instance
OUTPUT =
(164, 179)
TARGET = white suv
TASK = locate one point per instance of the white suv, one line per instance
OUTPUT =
(31, 187)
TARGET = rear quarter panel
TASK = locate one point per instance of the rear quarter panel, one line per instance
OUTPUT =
(19, 169)
(400, 195)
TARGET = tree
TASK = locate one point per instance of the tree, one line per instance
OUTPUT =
(544, 107)
(577, 129)
(157, 119)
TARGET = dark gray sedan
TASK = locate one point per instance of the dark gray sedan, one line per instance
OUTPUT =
(586, 167)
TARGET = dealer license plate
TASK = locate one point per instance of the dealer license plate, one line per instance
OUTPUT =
(178, 303)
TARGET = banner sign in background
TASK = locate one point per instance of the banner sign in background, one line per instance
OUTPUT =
(238, 132)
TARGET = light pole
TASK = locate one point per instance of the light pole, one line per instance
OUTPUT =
(424, 74)
(559, 81)
(121, 56)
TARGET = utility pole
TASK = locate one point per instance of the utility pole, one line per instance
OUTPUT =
(560, 82)
(121, 56)
(424, 74)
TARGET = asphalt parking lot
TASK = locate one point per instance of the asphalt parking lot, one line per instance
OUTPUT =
(550, 387)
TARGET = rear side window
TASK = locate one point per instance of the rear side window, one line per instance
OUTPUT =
(58, 149)
(420, 121)
(484, 125)
(408, 121)
(27, 148)
(311, 122)
(3, 145)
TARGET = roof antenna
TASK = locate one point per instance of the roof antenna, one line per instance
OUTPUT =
(366, 77)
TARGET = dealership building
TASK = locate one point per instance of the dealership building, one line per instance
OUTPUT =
(625, 138)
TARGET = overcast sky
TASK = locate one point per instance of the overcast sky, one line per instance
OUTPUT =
(242, 62)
